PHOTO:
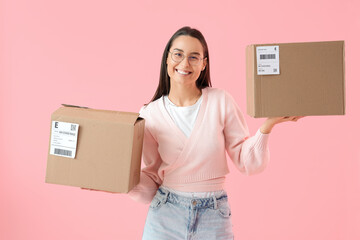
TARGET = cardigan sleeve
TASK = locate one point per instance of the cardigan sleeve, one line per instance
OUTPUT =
(146, 189)
(249, 154)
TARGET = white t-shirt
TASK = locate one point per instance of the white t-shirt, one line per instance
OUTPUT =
(184, 117)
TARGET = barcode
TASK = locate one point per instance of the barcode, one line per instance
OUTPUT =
(63, 152)
(267, 56)
(73, 127)
(274, 69)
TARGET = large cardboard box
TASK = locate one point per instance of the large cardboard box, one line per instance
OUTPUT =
(108, 148)
(295, 79)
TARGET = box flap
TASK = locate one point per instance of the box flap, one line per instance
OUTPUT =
(95, 114)
(69, 105)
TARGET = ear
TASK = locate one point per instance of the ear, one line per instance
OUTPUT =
(204, 64)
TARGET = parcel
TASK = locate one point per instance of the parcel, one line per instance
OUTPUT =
(295, 79)
(95, 149)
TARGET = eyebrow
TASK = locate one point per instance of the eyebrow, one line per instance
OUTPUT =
(180, 50)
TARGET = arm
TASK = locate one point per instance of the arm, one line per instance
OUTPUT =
(249, 154)
(149, 178)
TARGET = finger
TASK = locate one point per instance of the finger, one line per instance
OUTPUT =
(89, 189)
(297, 118)
(289, 118)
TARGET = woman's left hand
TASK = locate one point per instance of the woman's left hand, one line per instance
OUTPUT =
(272, 121)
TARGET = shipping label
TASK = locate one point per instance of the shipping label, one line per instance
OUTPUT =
(267, 60)
(63, 139)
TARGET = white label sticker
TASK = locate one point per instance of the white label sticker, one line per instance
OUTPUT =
(267, 60)
(63, 139)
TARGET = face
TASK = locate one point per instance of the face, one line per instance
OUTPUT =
(185, 72)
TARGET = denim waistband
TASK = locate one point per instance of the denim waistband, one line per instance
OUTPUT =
(211, 202)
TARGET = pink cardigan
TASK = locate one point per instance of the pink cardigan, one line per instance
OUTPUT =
(198, 163)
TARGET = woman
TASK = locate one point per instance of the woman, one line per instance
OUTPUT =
(188, 128)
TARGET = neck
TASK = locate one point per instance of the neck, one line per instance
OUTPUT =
(183, 96)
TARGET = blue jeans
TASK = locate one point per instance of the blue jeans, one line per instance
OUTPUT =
(173, 217)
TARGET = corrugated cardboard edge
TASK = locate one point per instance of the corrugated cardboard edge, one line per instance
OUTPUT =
(137, 146)
(48, 169)
(258, 112)
(47, 157)
(250, 74)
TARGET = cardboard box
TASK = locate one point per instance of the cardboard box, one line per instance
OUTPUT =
(108, 149)
(308, 79)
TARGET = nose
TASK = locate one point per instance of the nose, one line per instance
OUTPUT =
(185, 62)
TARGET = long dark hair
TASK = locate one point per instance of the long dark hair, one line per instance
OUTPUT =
(164, 80)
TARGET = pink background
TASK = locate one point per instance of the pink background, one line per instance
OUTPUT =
(107, 55)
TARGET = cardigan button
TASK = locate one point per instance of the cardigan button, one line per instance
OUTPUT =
(194, 202)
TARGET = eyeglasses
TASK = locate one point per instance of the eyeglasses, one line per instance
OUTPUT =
(193, 59)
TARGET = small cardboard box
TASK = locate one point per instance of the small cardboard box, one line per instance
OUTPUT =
(295, 79)
(96, 149)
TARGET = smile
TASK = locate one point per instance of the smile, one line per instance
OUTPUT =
(182, 72)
